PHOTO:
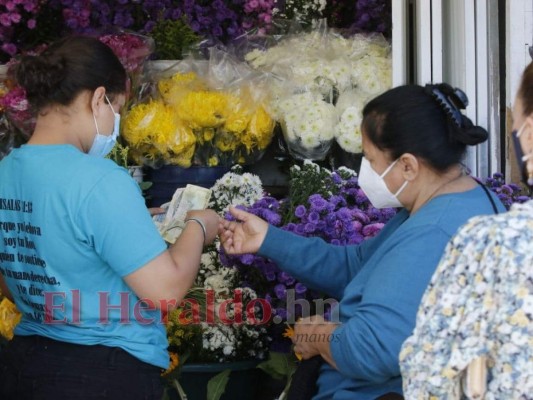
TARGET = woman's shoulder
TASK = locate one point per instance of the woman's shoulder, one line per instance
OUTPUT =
(451, 210)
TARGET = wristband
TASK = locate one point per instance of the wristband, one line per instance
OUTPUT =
(199, 221)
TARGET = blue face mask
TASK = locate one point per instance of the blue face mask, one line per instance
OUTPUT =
(103, 144)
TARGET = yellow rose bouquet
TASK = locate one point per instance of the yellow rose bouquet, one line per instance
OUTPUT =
(189, 122)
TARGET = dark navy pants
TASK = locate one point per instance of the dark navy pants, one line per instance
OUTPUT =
(38, 368)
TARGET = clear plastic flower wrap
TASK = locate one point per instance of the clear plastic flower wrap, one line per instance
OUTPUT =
(132, 48)
(322, 67)
(201, 112)
(307, 123)
(309, 58)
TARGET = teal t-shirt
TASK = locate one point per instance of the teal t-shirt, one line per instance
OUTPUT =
(71, 227)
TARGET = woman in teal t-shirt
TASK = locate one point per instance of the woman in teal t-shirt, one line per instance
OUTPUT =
(84, 262)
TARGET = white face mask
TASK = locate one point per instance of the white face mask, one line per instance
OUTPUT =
(375, 187)
(103, 144)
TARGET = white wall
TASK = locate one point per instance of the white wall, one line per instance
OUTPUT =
(454, 42)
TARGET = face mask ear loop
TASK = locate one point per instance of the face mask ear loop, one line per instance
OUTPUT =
(400, 190)
(109, 103)
(388, 169)
(96, 124)
(521, 130)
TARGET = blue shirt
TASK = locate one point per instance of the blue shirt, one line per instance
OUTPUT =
(71, 227)
(379, 284)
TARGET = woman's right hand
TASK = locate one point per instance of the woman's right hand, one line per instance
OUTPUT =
(245, 235)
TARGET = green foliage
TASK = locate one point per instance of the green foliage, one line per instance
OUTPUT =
(305, 181)
(310, 179)
(217, 385)
(119, 154)
(279, 365)
(145, 185)
(172, 38)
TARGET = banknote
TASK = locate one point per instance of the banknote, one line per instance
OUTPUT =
(190, 198)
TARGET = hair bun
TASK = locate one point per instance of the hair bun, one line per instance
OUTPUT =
(452, 101)
(470, 134)
(40, 76)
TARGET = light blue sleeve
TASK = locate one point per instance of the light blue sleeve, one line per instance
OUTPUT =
(116, 223)
(317, 264)
(367, 346)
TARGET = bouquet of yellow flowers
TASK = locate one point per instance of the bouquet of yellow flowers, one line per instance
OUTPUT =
(187, 122)
(9, 318)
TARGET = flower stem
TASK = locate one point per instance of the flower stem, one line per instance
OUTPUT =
(180, 390)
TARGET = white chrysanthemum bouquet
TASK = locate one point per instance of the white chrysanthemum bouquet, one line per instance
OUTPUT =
(323, 82)
(222, 319)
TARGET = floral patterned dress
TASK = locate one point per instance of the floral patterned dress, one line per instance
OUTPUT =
(479, 302)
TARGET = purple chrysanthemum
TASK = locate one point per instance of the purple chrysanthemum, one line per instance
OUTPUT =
(300, 211)
(280, 291)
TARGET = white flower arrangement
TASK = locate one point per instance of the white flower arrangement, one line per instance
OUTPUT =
(229, 334)
(372, 75)
(350, 111)
(307, 122)
(348, 62)
(348, 130)
(235, 188)
(326, 67)
(237, 341)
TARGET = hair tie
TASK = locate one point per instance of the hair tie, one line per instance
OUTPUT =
(452, 104)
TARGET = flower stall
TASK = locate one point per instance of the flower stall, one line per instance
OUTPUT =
(219, 89)
(237, 316)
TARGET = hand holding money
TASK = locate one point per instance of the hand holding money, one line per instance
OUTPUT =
(172, 223)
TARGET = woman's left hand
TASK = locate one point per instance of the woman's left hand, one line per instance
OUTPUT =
(312, 336)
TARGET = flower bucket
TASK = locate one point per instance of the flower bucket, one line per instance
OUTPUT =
(242, 384)
(167, 179)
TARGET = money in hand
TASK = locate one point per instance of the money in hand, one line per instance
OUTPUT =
(191, 198)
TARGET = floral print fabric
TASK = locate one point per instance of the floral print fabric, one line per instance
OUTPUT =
(479, 302)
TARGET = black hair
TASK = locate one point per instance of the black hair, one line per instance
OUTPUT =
(68, 67)
(424, 121)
